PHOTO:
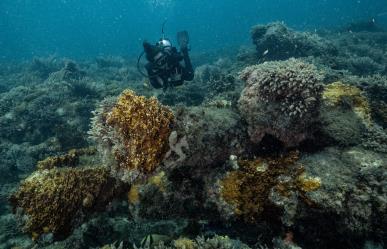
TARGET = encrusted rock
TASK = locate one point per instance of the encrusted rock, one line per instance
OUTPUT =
(291, 114)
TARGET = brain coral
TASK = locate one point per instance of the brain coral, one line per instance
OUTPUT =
(134, 132)
(54, 200)
(281, 99)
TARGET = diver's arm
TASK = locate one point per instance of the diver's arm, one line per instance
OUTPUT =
(188, 72)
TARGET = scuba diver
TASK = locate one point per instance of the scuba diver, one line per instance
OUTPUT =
(165, 68)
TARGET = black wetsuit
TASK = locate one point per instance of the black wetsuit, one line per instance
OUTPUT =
(170, 71)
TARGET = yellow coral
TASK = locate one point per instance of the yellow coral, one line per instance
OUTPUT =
(247, 189)
(308, 184)
(159, 180)
(52, 199)
(144, 128)
(134, 194)
(337, 93)
(184, 243)
(70, 159)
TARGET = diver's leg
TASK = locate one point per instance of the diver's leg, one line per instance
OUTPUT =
(188, 72)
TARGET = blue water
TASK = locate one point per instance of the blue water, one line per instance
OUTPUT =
(87, 28)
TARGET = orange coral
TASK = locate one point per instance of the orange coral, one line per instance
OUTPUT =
(144, 127)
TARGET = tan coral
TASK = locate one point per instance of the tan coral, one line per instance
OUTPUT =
(159, 180)
(338, 93)
(308, 184)
(184, 243)
(247, 189)
(53, 199)
(134, 194)
(143, 126)
(70, 159)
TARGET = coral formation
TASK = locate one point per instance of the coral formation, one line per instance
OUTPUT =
(281, 99)
(53, 200)
(275, 41)
(217, 242)
(69, 73)
(338, 93)
(134, 194)
(375, 138)
(43, 67)
(350, 197)
(10, 236)
(189, 94)
(71, 159)
(184, 243)
(215, 80)
(247, 189)
(361, 53)
(136, 130)
(205, 136)
(39, 121)
(200, 165)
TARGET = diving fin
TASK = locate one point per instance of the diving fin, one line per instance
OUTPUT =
(183, 39)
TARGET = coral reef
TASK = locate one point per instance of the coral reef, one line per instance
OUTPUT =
(247, 190)
(281, 99)
(135, 131)
(69, 73)
(39, 121)
(345, 115)
(189, 94)
(349, 206)
(43, 67)
(275, 41)
(110, 61)
(205, 136)
(217, 242)
(375, 138)
(215, 80)
(200, 143)
(361, 53)
(71, 159)
(10, 236)
(208, 164)
(339, 93)
(363, 26)
(341, 126)
(54, 200)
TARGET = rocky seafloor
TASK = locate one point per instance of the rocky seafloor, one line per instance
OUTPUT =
(279, 145)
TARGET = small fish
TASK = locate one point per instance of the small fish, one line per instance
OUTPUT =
(146, 84)
(265, 52)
